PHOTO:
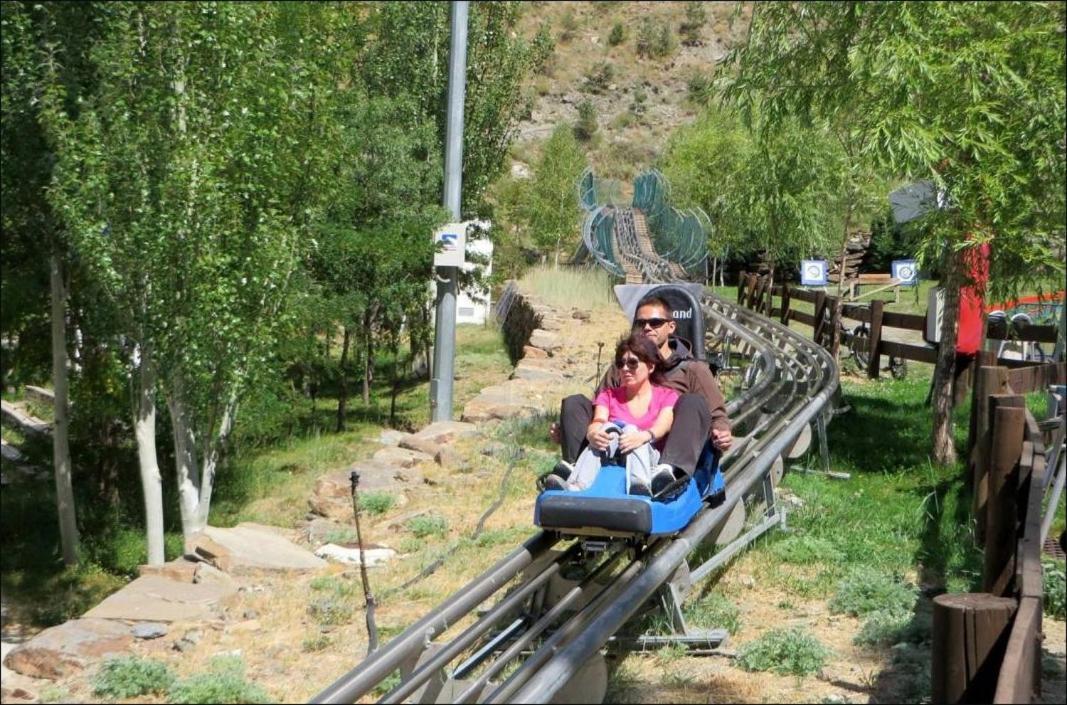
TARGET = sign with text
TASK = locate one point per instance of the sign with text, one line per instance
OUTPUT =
(906, 271)
(813, 272)
(450, 245)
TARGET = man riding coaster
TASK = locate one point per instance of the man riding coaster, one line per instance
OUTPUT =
(699, 413)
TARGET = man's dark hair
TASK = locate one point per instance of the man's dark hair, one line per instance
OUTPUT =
(653, 300)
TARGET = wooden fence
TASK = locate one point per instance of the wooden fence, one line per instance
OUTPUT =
(761, 294)
(986, 645)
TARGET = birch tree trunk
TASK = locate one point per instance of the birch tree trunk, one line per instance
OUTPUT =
(68, 525)
(944, 446)
(145, 433)
(185, 461)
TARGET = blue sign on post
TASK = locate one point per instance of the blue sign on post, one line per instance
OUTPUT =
(906, 271)
(813, 272)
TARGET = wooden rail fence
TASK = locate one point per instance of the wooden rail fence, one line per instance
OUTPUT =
(986, 645)
(759, 293)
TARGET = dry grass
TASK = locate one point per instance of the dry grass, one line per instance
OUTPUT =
(566, 288)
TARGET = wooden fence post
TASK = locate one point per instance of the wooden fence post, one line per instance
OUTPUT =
(874, 339)
(785, 303)
(992, 380)
(986, 358)
(742, 279)
(1007, 422)
(820, 304)
(750, 289)
(970, 633)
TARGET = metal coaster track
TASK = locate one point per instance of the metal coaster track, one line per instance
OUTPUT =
(545, 645)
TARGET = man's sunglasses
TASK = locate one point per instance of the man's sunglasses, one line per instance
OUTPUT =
(629, 363)
(656, 323)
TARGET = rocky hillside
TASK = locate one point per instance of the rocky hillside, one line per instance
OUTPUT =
(642, 65)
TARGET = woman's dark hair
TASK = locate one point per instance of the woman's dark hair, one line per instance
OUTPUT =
(644, 350)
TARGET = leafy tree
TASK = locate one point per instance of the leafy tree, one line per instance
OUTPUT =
(187, 181)
(968, 95)
(586, 126)
(550, 211)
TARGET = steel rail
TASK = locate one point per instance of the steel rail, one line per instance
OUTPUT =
(380, 664)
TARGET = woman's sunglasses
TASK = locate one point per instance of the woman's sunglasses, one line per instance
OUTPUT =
(629, 363)
(640, 323)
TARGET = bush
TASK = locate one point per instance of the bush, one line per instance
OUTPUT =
(316, 643)
(599, 77)
(223, 683)
(617, 35)
(428, 525)
(569, 24)
(699, 87)
(785, 652)
(695, 18)
(806, 550)
(129, 677)
(331, 610)
(867, 591)
(1055, 581)
(715, 611)
(884, 628)
(586, 126)
(638, 105)
(655, 39)
(375, 503)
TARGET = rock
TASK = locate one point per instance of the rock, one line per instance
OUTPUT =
(332, 496)
(342, 554)
(528, 352)
(390, 437)
(550, 323)
(149, 630)
(520, 171)
(249, 614)
(549, 342)
(248, 548)
(449, 458)
(319, 529)
(504, 401)
(181, 570)
(155, 599)
(247, 626)
(17, 694)
(401, 457)
(535, 373)
(397, 523)
(68, 648)
(446, 431)
(580, 315)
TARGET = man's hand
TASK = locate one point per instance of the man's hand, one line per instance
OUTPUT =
(631, 440)
(721, 439)
(553, 433)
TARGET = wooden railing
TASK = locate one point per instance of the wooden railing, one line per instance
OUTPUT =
(760, 293)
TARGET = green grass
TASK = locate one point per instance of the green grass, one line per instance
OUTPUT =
(427, 525)
(563, 288)
(375, 503)
(714, 611)
(1055, 587)
(866, 591)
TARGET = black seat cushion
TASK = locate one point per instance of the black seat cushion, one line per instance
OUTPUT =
(565, 511)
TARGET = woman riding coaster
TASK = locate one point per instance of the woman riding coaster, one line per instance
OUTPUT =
(631, 420)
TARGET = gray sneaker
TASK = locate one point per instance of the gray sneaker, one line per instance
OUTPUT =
(552, 481)
(662, 478)
(639, 488)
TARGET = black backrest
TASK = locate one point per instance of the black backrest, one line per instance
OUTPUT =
(688, 317)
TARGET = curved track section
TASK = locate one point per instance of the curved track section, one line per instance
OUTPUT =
(522, 648)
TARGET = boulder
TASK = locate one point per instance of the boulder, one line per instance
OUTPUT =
(536, 373)
(332, 496)
(251, 548)
(390, 437)
(156, 599)
(401, 457)
(530, 352)
(149, 630)
(68, 648)
(181, 570)
(350, 555)
(541, 338)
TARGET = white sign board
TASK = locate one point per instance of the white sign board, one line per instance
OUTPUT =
(450, 244)
(906, 271)
(935, 311)
(813, 272)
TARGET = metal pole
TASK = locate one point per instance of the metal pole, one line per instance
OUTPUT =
(444, 348)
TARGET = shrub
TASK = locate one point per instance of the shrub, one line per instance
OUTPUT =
(715, 611)
(805, 550)
(884, 628)
(599, 77)
(586, 126)
(655, 39)
(866, 591)
(617, 35)
(340, 536)
(331, 610)
(129, 677)
(330, 583)
(695, 18)
(569, 24)
(428, 525)
(785, 652)
(1055, 580)
(316, 643)
(699, 87)
(223, 683)
(376, 502)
